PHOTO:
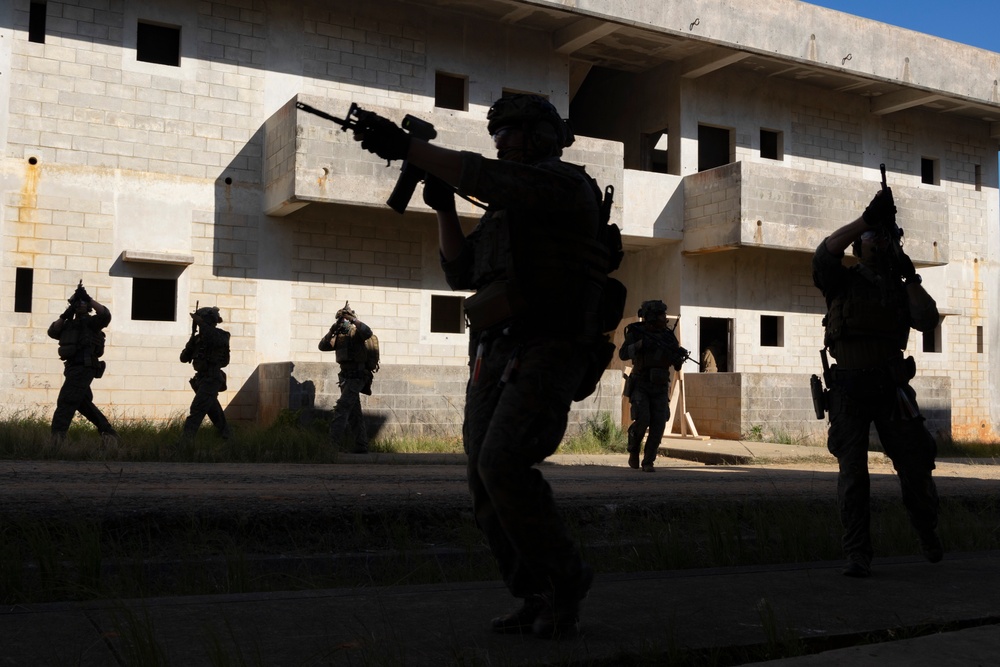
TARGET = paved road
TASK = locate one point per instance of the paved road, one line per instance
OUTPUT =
(648, 616)
(434, 482)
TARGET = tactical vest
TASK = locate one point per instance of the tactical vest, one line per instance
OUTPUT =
(78, 342)
(652, 354)
(869, 318)
(350, 353)
(211, 350)
(554, 262)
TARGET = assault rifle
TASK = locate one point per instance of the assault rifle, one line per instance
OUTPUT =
(667, 340)
(895, 233)
(409, 175)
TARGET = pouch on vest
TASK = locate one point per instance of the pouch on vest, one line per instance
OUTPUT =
(492, 305)
(99, 369)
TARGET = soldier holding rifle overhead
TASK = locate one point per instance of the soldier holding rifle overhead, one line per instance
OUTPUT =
(871, 308)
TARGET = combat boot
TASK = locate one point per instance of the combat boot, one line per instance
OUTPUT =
(931, 547)
(521, 621)
(633, 459)
(56, 441)
(560, 617)
(858, 567)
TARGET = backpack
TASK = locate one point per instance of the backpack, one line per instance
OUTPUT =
(371, 354)
(612, 305)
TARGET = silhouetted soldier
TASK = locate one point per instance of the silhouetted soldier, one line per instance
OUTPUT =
(871, 307)
(208, 351)
(347, 337)
(81, 345)
(653, 350)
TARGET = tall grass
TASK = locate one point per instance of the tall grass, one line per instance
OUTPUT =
(289, 440)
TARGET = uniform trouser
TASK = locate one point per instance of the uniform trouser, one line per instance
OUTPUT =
(650, 409)
(509, 427)
(347, 413)
(906, 442)
(206, 387)
(76, 396)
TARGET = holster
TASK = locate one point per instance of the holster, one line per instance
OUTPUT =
(630, 381)
(819, 396)
(99, 369)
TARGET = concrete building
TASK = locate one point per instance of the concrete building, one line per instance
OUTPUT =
(155, 151)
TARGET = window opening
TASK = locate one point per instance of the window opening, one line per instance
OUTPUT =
(160, 44)
(714, 148)
(154, 299)
(770, 144)
(979, 339)
(23, 286)
(447, 314)
(772, 332)
(450, 91)
(36, 22)
(929, 171)
(932, 339)
(979, 178)
(655, 150)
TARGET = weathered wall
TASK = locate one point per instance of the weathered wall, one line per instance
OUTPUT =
(410, 400)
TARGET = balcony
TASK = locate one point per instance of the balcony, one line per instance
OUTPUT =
(309, 159)
(770, 206)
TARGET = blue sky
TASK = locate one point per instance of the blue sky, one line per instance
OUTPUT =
(973, 22)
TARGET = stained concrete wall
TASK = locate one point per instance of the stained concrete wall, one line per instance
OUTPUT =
(134, 157)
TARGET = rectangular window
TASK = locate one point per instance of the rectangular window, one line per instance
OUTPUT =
(771, 145)
(929, 171)
(979, 178)
(979, 339)
(932, 339)
(714, 147)
(154, 299)
(447, 314)
(655, 148)
(772, 332)
(23, 285)
(160, 44)
(450, 91)
(36, 23)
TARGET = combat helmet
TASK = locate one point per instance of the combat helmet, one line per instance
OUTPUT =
(209, 314)
(652, 308)
(536, 116)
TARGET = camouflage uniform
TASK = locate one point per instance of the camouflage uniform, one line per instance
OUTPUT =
(81, 340)
(526, 347)
(648, 386)
(867, 327)
(354, 379)
(208, 352)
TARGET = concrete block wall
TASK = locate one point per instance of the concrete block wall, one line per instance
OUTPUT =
(778, 406)
(407, 400)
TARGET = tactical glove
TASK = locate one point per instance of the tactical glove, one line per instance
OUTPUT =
(881, 210)
(68, 313)
(383, 137)
(438, 195)
(905, 266)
